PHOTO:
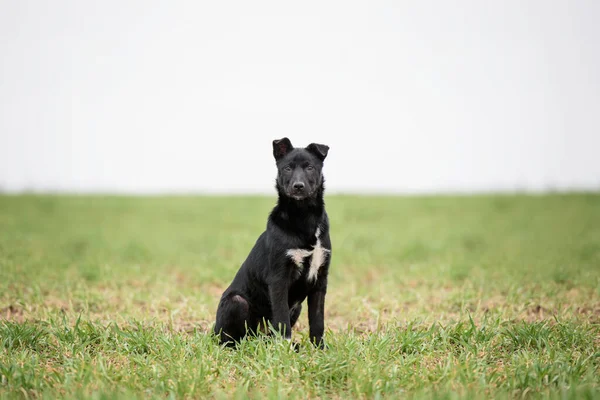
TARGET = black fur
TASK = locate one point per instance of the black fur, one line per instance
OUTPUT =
(269, 287)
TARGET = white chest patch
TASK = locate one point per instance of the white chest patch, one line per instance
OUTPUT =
(318, 257)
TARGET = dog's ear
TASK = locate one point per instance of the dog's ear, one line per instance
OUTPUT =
(319, 150)
(281, 147)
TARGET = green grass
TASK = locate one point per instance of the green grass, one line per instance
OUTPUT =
(434, 297)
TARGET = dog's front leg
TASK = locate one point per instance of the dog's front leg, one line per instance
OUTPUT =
(316, 316)
(278, 294)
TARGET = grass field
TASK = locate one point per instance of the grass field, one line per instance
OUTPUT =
(435, 297)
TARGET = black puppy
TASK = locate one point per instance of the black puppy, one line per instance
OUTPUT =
(290, 260)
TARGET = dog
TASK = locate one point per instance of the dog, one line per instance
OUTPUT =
(290, 259)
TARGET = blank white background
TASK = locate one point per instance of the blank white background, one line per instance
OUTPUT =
(411, 96)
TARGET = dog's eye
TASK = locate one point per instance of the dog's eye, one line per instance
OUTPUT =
(309, 167)
(287, 168)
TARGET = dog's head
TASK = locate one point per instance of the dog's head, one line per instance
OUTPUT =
(299, 173)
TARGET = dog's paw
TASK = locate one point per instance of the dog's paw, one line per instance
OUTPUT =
(320, 344)
(292, 345)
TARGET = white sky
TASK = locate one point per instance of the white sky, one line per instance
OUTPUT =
(411, 96)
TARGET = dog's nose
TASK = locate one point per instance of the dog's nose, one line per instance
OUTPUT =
(298, 185)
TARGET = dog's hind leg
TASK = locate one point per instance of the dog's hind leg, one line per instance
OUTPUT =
(232, 318)
(295, 313)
